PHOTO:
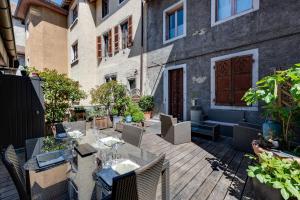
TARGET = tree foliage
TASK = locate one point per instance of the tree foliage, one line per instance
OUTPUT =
(112, 95)
(60, 93)
(267, 90)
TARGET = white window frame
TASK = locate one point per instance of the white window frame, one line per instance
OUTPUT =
(255, 54)
(166, 88)
(178, 4)
(214, 11)
(72, 52)
(121, 3)
(71, 21)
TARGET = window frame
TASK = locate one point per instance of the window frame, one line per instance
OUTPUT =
(105, 53)
(126, 38)
(214, 12)
(104, 16)
(109, 77)
(175, 7)
(74, 59)
(122, 2)
(73, 9)
(255, 54)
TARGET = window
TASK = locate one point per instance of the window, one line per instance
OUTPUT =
(105, 8)
(232, 75)
(121, 1)
(223, 10)
(106, 42)
(109, 78)
(132, 83)
(174, 22)
(75, 52)
(124, 29)
(74, 13)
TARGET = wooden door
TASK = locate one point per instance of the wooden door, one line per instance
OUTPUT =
(176, 93)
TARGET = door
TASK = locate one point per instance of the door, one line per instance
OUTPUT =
(176, 93)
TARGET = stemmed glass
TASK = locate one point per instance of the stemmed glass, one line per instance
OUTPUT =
(71, 156)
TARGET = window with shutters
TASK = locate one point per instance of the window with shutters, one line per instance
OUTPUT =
(106, 42)
(124, 29)
(232, 76)
(224, 10)
(99, 48)
(116, 39)
(174, 22)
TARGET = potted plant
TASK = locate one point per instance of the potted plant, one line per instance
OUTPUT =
(99, 117)
(112, 96)
(60, 93)
(275, 178)
(146, 103)
(281, 115)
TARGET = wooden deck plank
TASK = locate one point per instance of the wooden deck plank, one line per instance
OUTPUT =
(210, 182)
(237, 185)
(220, 191)
(190, 172)
(193, 185)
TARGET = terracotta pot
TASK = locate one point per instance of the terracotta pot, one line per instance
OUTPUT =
(101, 122)
(148, 115)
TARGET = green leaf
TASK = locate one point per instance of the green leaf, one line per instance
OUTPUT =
(284, 193)
(278, 185)
(260, 178)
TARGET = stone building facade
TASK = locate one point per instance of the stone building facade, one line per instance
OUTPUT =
(45, 34)
(203, 38)
(104, 42)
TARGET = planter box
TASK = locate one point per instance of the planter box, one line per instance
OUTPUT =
(101, 122)
(265, 192)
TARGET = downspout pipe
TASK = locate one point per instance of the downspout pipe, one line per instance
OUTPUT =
(142, 49)
(6, 31)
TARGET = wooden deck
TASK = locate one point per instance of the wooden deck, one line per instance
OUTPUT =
(199, 170)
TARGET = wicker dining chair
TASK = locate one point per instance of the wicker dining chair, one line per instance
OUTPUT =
(132, 135)
(11, 161)
(140, 184)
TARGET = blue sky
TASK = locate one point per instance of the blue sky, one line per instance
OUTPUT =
(57, 1)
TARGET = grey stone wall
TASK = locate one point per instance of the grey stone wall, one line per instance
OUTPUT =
(274, 29)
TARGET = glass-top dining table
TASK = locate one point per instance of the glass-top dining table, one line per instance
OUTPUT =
(84, 179)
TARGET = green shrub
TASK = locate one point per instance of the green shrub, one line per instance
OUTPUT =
(278, 173)
(112, 95)
(60, 93)
(135, 111)
(146, 103)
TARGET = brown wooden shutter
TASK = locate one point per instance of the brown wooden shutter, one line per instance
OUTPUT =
(241, 78)
(99, 48)
(129, 42)
(116, 39)
(110, 42)
(223, 85)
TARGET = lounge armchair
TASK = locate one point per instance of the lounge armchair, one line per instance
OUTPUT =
(132, 134)
(140, 184)
(243, 135)
(173, 132)
(11, 162)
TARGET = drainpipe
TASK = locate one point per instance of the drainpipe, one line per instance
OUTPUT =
(142, 49)
(6, 30)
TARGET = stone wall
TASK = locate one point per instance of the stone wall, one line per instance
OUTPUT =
(274, 30)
